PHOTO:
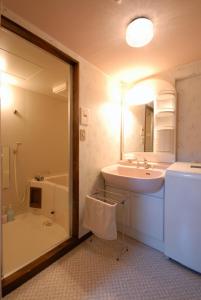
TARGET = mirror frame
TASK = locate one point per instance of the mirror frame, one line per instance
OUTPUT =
(165, 157)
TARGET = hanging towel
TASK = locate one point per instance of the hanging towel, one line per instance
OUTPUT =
(100, 218)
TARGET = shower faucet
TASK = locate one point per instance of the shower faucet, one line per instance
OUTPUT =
(15, 150)
(39, 178)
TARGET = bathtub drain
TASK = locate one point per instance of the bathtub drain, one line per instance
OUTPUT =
(47, 223)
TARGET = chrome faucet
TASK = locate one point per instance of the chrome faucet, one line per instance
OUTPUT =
(131, 160)
(146, 165)
(137, 162)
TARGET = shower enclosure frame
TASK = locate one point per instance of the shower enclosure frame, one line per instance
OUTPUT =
(19, 277)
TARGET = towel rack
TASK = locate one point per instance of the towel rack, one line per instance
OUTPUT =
(111, 197)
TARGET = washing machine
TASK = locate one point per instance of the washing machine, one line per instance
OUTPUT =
(182, 226)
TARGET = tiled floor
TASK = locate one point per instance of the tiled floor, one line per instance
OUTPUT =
(91, 272)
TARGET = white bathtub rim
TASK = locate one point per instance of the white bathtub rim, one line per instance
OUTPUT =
(21, 216)
(46, 181)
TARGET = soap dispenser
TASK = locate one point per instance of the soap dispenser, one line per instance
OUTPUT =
(10, 213)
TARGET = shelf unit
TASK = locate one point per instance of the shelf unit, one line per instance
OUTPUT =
(165, 122)
(166, 101)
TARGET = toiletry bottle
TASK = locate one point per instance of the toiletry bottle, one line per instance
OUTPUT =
(10, 214)
(4, 215)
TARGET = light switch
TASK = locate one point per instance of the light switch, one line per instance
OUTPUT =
(82, 135)
(84, 116)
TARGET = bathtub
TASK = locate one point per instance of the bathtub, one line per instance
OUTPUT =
(37, 231)
(58, 179)
(28, 237)
(55, 199)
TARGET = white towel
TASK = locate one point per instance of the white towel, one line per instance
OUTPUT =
(100, 218)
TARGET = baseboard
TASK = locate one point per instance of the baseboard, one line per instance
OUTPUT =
(143, 238)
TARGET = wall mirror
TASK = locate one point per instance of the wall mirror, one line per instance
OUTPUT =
(139, 128)
(149, 122)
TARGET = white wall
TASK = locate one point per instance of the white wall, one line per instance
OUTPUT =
(187, 81)
(41, 126)
(102, 146)
(189, 119)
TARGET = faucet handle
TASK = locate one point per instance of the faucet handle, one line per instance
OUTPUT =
(137, 162)
(146, 165)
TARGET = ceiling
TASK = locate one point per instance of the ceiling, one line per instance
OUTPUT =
(95, 29)
(29, 67)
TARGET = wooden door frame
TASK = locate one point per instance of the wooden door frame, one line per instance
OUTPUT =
(19, 277)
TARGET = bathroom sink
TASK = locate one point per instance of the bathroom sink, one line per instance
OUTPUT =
(132, 178)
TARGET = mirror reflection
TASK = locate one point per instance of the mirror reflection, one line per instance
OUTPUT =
(138, 129)
(35, 136)
(149, 121)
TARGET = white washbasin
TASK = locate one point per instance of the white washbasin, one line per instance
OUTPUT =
(133, 178)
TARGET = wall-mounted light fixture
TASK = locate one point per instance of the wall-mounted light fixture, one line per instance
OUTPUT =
(141, 93)
(139, 32)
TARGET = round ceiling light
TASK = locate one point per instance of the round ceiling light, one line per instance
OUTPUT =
(139, 32)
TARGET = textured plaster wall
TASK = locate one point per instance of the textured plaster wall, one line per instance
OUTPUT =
(102, 145)
(189, 119)
(187, 80)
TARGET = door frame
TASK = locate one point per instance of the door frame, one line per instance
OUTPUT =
(14, 280)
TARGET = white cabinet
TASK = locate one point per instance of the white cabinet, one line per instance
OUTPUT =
(142, 217)
(146, 215)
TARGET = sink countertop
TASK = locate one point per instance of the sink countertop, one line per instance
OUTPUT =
(154, 165)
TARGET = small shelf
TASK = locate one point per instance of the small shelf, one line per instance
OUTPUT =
(164, 139)
(165, 102)
(164, 110)
(165, 120)
(167, 92)
(165, 128)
